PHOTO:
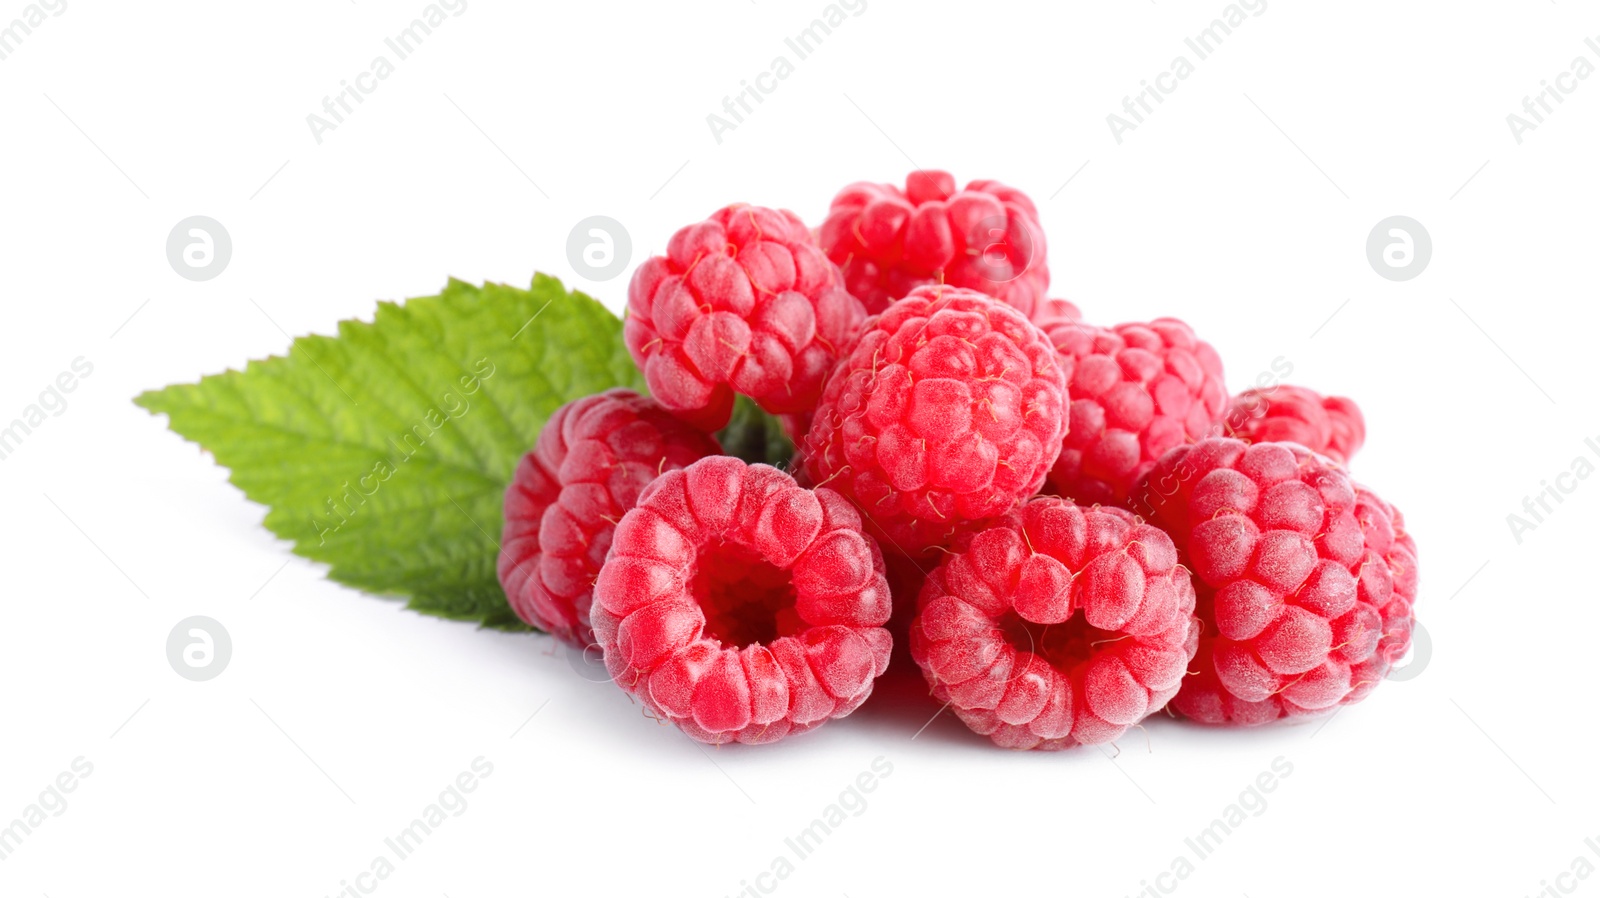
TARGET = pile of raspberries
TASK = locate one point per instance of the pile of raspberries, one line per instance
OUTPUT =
(1069, 526)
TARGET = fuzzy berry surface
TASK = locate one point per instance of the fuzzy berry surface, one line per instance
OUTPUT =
(948, 410)
(985, 236)
(1306, 581)
(740, 606)
(1058, 626)
(743, 302)
(1137, 390)
(1330, 425)
(1051, 313)
(592, 459)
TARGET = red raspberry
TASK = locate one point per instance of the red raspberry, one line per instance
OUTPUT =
(1306, 581)
(985, 237)
(1052, 313)
(1331, 425)
(743, 301)
(1137, 390)
(947, 410)
(740, 606)
(592, 458)
(1059, 626)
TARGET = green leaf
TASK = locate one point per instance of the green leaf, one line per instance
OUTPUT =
(755, 436)
(385, 452)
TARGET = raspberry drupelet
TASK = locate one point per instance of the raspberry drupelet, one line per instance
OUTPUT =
(1055, 312)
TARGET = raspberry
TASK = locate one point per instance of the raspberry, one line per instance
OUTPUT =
(1054, 313)
(1305, 581)
(740, 606)
(1058, 626)
(592, 458)
(1330, 425)
(985, 237)
(947, 410)
(1137, 390)
(743, 301)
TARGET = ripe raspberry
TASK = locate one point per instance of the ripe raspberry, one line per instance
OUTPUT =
(1306, 581)
(1058, 626)
(985, 237)
(592, 458)
(740, 606)
(1054, 313)
(743, 301)
(1331, 425)
(947, 410)
(1137, 390)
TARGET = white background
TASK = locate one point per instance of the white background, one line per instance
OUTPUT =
(1242, 205)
